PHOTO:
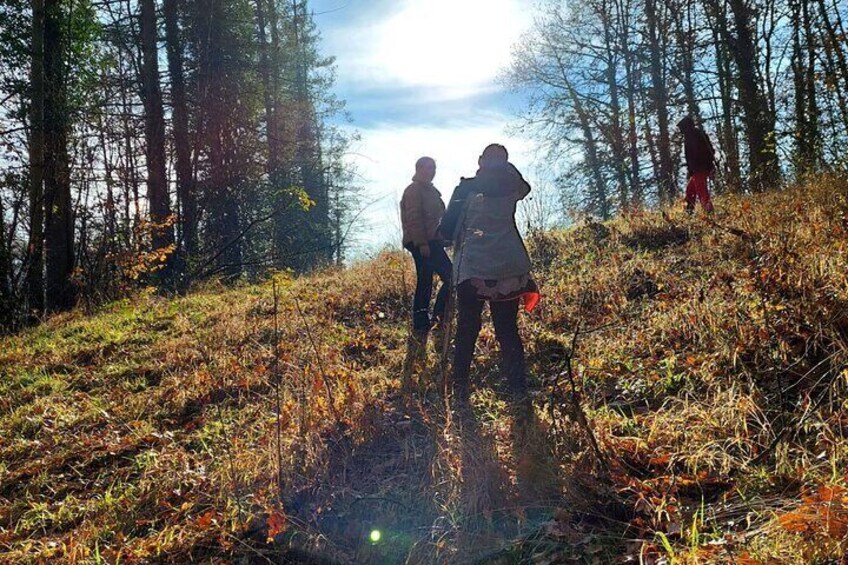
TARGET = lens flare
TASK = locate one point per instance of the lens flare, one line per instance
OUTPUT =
(375, 536)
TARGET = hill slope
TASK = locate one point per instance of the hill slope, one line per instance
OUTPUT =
(710, 361)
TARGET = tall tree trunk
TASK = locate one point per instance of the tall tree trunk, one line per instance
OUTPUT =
(162, 234)
(667, 188)
(130, 171)
(35, 247)
(838, 67)
(632, 78)
(728, 138)
(759, 122)
(186, 193)
(800, 92)
(814, 141)
(616, 137)
(598, 192)
(5, 272)
(268, 90)
(223, 219)
(59, 232)
(685, 34)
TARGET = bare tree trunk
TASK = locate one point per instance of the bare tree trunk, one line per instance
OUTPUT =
(272, 132)
(728, 139)
(186, 192)
(814, 141)
(667, 188)
(5, 271)
(130, 171)
(600, 201)
(686, 43)
(632, 78)
(800, 133)
(110, 223)
(35, 247)
(59, 232)
(838, 67)
(223, 219)
(162, 234)
(616, 137)
(759, 121)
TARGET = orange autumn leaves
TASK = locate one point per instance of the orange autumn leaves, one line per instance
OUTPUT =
(823, 512)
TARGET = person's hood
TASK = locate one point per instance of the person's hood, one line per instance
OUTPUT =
(501, 180)
(686, 124)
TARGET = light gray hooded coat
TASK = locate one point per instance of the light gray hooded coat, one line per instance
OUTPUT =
(481, 214)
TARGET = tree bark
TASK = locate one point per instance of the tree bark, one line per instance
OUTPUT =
(728, 139)
(268, 91)
(35, 246)
(814, 141)
(800, 133)
(632, 78)
(59, 232)
(686, 44)
(5, 272)
(838, 67)
(667, 188)
(764, 171)
(162, 234)
(186, 192)
(616, 137)
(223, 222)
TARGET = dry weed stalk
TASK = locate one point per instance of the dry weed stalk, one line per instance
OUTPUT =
(319, 362)
(575, 395)
(277, 380)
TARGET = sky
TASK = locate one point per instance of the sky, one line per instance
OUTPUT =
(420, 77)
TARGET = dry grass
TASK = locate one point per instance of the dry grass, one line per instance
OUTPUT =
(711, 367)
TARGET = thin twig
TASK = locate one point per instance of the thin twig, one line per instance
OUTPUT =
(327, 388)
(277, 382)
(575, 395)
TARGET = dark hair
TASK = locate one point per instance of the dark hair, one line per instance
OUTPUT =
(686, 123)
(422, 161)
(495, 152)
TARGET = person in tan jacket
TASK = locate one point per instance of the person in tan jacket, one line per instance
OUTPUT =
(421, 210)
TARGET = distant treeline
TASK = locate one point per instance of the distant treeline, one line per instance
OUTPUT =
(159, 143)
(610, 79)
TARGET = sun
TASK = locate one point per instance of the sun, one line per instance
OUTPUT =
(449, 44)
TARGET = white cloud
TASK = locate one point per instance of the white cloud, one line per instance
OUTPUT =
(450, 48)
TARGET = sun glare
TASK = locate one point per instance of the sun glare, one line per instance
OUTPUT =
(444, 43)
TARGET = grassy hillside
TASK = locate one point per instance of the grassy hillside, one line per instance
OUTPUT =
(710, 360)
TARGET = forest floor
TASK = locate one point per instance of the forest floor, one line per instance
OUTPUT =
(710, 362)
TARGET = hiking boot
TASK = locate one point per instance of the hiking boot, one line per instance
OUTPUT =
(416, 355)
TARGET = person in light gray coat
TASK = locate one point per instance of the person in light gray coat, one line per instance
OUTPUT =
(491, 265)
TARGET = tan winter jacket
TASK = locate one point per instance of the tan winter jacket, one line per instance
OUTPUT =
(421, 209)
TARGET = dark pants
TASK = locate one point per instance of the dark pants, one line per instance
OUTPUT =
(438, 263)
(505, 319)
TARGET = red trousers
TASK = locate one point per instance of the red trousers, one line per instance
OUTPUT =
(697, 189)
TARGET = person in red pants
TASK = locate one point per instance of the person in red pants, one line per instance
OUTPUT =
(700, 162)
